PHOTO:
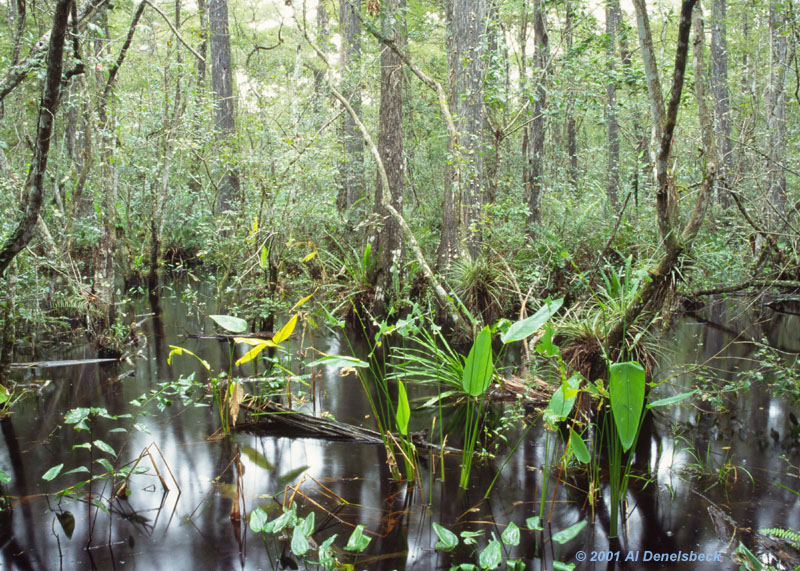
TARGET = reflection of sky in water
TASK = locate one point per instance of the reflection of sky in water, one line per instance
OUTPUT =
(192, 529)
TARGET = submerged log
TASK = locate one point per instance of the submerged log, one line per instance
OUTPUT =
(275, 418)
(66, 363)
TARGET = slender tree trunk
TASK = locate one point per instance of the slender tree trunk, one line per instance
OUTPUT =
(776, 114)
(388, 241)
(722, 105)
(48, 106)
(535, 183)
(352, 166)
(202, 49)
(222, 85)
(572, 134)
(612, 171)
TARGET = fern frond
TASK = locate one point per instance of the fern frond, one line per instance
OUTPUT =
(787, 535)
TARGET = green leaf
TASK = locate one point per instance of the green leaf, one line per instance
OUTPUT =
(4, 478)
(492, 555)
(546, 346)
(578, 447)
(67, 521)
(534, 523)
(105, 464)
(569, 534)
(447, 539)
(748, 558)
(515, 565)
(510, 535)
(339, 361)
(469, 536)
(478, 367)
(326, 556)
(306, 526)
(403, 410)
(257, 457)
(232, 324)
(52, 473)
(562, 401)
(78, 470)
(4, 394)
(180, 351)
(527, 327)
(258, 519)
(286, 519)
(626, 391)
(299, 542)
(262, 262)
(671, 400)
(558, 566)
(76, 415)
(104, 447)
(358, 541)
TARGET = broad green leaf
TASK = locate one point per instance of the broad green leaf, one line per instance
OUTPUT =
(671, 400)
(306, 526)
(358, 541)
(4, 478)
(515, 565)
(4, 394)
(258, 519)
(570, 533)
(104, 447)
(231, 323)
(478, 367)
(491, 556)
(339, 361)
(327, 557)
(578, 447)
(76, 415)
(263, 259)
(257, 457)
(286, 519)
(285, 331)
(534, 523)
(558, 566)
(465, 567)
(469, 536)
(562, 401)
(180, 351)
(105, 464)
(52, 473)
(748, 558)
(527, 327)
(447, 539)
(626, 390)
(403, 410)
(299, 542)
(510, 535)
(545, 346)
(78, 470)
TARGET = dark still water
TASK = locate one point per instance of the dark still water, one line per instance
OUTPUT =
(709, 473)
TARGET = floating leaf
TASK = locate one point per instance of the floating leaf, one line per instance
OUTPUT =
(52, 473)
(478, 367)
(67, 521)
(570, 533)
(510, 535)
(626, 390)
(358, 541)
(671, 400)
(403, 414)
(104, 447)
(492, 555)
(231, 323)
(339, 361)
(578, 447)
(447, 539)
(527, 327)
(257, 457)
(285, 331)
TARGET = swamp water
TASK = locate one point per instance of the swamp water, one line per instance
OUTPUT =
(185, 521)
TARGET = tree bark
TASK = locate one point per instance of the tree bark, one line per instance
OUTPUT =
(48, 106)
(222, 85)
(722, 104)
(352, 166)
(776, 114)
(388, 241)
(535, 183)
(572, 132)
(612, 128)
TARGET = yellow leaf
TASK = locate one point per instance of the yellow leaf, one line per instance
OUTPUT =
(253, 353)
(285, 331)
(309, 257)
(253, 341)
(302, 301)
(180, 351)
(255, 224)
